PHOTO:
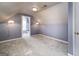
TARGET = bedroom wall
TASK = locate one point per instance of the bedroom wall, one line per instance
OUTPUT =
(34, 28)
(10, 31)
(54, 21)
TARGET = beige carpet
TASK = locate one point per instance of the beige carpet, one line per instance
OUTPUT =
(37, 45)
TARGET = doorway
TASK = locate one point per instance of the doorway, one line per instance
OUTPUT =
(26, 32)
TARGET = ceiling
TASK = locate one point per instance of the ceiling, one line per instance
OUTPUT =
(9, 9)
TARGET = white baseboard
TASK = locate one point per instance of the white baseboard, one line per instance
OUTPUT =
(38, 34)
(55, 39)
(9, 40)
(70, 54)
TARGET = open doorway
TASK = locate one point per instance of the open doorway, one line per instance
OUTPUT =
(26, 32)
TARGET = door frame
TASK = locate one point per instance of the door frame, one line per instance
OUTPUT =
(74, 27)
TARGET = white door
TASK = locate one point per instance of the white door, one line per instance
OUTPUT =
(25, 26)
(76, 42)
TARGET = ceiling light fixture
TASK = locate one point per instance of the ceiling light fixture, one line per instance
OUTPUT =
(34, 9)
(10, 22)
(37, 23)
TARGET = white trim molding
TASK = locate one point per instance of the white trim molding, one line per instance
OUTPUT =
(54, 38)
(37, 34)
(9, 40)
(70, 54)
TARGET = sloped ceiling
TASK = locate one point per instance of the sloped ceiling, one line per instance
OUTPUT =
(9, 9)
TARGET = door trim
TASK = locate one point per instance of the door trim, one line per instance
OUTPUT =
(74, 38)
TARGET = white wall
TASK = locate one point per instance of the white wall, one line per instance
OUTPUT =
(54, 15)
(53, 21)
